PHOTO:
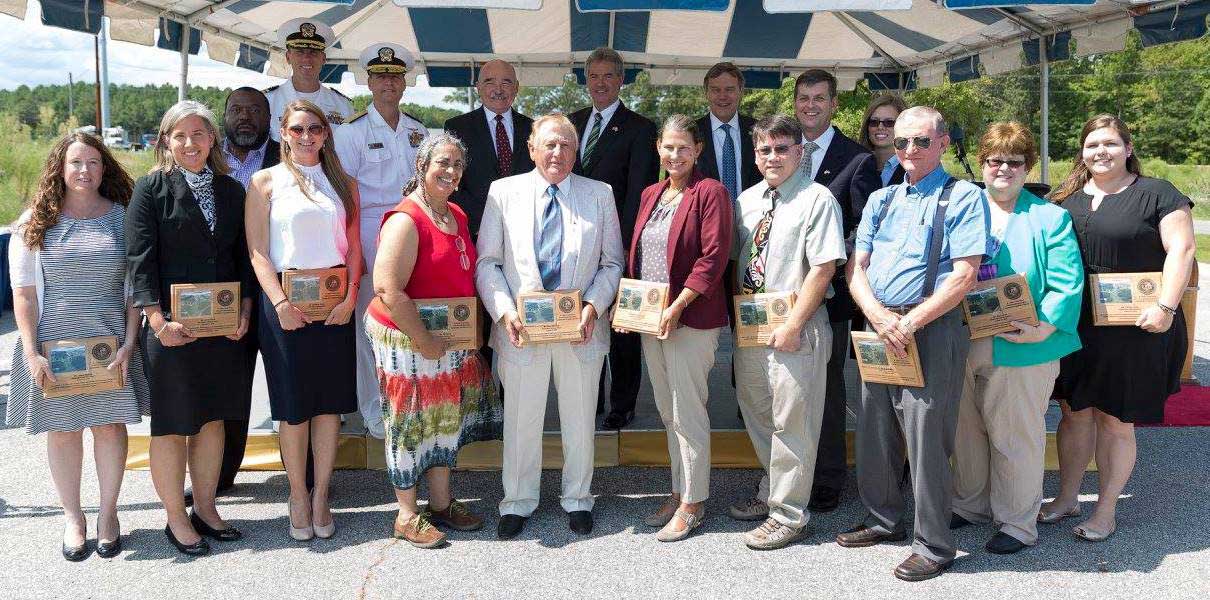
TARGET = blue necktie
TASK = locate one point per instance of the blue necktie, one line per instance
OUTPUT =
(549, 245)
(728, 174)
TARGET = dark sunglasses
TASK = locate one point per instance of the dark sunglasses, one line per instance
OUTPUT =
(901, 143)
(887, 123)
(996, 163)
(298, 130)
(779, 149)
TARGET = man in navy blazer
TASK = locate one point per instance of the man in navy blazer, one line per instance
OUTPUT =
(483, 130)
(724, 87)
(850, 172)
(617, 146)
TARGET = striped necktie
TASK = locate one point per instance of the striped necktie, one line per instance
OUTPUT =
(808, 148)
(728, 174)
(591, 143)
(549, 245)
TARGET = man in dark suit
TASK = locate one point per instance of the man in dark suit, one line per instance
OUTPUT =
(248, 149)
(723, 125)
(495, 136)
(617, 146)
(850, 172)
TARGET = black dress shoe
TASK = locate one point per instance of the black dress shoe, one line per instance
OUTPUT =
(919, 568)
(958, 521)
(230, 534)
(1002, 543)
(580, 521)
(510, 526)
(198, 548)
(77, 553)
(617, 420)
(221, 490)
(824, 499)
(109, 549)
(862, 536)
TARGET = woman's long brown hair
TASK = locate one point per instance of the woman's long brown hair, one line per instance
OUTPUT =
(47, 203)
(1079, 171)
(328, 160)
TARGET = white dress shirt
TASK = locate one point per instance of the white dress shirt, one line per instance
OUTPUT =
(823, 142)
(719, 140)
(335, 106)
(606, 115)
(508, 127)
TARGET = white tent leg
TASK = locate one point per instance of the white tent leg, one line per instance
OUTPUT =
(182, 90)
(102, 40)
(1045, 93)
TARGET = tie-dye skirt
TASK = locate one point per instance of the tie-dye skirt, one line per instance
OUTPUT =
(430, 408)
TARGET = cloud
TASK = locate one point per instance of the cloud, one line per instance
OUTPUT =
(35, 54)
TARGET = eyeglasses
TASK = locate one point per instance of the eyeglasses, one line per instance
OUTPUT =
(463, 259)
(887, 123)
(298, 130)
(996, 163)
(922, 142)
(779, 149)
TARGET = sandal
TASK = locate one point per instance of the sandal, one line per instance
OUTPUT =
(1050, 518)
(691, 521)
(1088, 534)
(665, 513)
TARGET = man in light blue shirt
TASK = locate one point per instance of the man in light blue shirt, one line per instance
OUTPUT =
(918, 249)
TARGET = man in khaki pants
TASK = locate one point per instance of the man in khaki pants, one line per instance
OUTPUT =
(788, 239)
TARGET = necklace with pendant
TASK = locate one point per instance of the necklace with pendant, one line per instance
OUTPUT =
(444, 219)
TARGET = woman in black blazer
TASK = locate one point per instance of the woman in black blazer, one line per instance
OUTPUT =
(185, 224)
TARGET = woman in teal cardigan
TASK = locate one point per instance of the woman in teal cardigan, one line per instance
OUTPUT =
(1001, 438)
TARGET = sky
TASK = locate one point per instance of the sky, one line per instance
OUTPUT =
(34, 54)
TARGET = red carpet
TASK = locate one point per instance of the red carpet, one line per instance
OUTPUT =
(1189, 407)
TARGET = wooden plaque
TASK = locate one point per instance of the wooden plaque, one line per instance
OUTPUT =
(316, 291)
(80, 366)
(878, 365)
(640, 305)
(1119, 298)
(550, 317)
(207, 309)
(994, 304)
(455, 320)
(757, 315)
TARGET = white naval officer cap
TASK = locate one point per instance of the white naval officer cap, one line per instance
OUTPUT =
(305, 33)
(386, 58)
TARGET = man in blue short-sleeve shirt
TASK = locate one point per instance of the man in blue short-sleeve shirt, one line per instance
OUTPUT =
(889, 279)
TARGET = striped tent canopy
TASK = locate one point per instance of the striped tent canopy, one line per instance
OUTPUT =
(893, 44)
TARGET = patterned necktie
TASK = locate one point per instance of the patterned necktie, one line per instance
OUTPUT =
(728, 174)
(549, 245)
(591, 143)
(504, 152)
(808, 148)
(754, 274)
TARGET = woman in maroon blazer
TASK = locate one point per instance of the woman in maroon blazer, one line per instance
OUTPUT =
(682, 237)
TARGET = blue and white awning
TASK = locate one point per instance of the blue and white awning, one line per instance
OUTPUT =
(892, 43)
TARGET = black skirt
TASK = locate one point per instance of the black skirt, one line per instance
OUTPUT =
(311, 371)
(191, 385)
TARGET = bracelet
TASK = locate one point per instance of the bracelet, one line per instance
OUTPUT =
(278, 303)
(1166, 308)
(162, 328)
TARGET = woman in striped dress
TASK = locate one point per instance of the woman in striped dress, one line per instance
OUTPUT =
(67, 259)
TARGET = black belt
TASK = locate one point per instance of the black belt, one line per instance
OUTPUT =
(903, 309)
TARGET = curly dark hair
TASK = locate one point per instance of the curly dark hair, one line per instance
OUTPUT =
(116, 186)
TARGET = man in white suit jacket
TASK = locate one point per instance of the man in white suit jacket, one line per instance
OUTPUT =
(589, 259)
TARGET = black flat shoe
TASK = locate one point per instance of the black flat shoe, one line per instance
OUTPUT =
(957, 521)
(510, 526)
(109, 549)
(580, 521)
(1002, 543)
(199, 548)
(229, 534)
(824, 499)
(77, 553)
(617, 420)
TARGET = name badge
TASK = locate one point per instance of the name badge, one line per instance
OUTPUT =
(375, 146)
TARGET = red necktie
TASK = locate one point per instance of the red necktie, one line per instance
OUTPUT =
(504, 152)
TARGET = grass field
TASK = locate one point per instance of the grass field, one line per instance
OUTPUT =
(1203, 248)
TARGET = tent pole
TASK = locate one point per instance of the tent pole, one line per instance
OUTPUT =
(103, 57)
(182, 90)
(1044, 61)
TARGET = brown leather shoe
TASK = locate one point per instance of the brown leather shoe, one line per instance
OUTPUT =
(419, 532)
(456, 517)
(919, 568)
(862, 536)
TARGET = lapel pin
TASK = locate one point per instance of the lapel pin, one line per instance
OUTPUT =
(614, 128)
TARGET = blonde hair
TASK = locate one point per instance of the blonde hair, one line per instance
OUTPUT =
(164, 161)
(328, 160)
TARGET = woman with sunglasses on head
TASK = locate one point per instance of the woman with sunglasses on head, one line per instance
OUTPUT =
(1000, 443)
(302, 214)
(1125, 223)
(878, 134)
(436, 399)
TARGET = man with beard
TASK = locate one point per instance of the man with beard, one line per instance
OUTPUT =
(377, 147)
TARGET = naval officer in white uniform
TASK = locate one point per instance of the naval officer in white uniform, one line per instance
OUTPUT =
(306, 42)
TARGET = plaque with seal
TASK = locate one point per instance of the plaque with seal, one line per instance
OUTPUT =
(81, 366)
(1119, 298)
(315, 291)
(993, 305)
(207, 309)
(639, 305)
(757, 315)
(878, 365)
(455, 320)
(550, 317)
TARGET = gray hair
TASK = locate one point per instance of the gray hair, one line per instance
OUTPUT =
(605, 54)
(683, 124)
(925, 113)
(777, 125)
(424, 156)
(172, 117)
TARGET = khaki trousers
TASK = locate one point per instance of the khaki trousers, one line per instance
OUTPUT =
(1000, 445)
(781, 396)
(678, 368)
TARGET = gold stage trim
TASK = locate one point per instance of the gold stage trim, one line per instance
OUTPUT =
(729, 449)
